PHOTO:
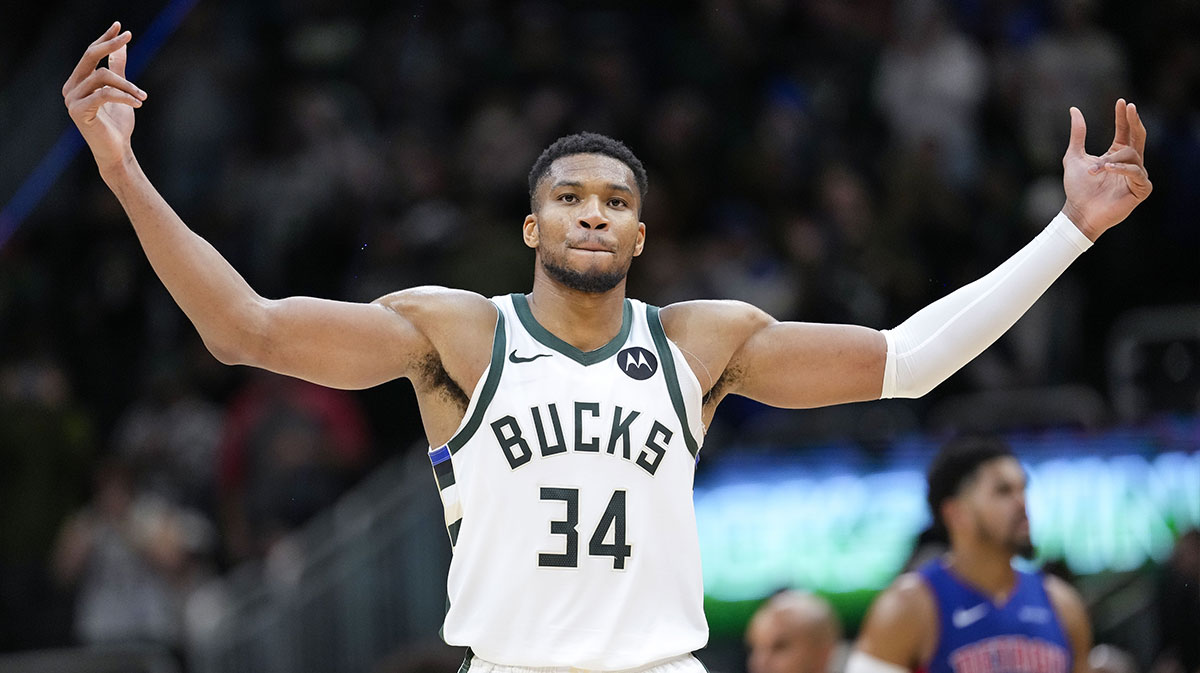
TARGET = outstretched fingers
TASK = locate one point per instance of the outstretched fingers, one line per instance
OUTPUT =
(1137, 130)
(106, 44)
(1129, 170)
(100, 78)
(1078, 134)
(1128, 163)
(1121, 125)
(1125, 155)
(92, 102)
(1135, 176)
(117, 59)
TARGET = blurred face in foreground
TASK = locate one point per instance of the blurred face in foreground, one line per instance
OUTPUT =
(586, 229)
(790, 636)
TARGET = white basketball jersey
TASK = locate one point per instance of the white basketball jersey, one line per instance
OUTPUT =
(568, 498)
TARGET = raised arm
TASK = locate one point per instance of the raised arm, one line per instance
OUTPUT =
(746, 352)
(338, 344)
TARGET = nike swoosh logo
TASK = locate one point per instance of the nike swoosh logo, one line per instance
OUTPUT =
(516, 359)
(962, 618)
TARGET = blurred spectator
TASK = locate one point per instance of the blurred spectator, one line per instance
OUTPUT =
(931, 83)
(738, 265)
(1075, 63)
(169, 436)
(133, 559)
(46, 443)
(1179, 608)
(849, 274)
(793, 632)
(1110, 659)
(289, 449)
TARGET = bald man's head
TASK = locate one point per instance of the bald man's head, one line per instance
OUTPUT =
(793, 632)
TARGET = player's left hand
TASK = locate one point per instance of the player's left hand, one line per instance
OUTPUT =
(1102, 191)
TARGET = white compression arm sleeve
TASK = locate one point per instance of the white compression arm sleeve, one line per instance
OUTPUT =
(861, 662)
(942, 337)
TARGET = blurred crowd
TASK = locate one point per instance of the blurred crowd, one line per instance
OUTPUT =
(827, 161)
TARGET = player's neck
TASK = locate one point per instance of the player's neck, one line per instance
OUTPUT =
(988, 570)
(586, 320)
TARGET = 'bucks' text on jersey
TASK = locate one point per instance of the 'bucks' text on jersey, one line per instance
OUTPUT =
(567, 491)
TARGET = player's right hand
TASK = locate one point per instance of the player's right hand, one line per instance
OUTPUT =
(101, 100)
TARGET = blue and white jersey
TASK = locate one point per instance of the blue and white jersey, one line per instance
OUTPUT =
(567, 491)
(978, 636)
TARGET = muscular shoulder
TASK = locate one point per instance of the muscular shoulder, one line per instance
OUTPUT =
(901, 626)
(432, 305)
(691, 320)
(458, 327)
(710, 332)
(1071, 611)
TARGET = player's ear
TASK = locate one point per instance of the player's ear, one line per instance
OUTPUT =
(529, 231)
(641, 239)
(951, 512)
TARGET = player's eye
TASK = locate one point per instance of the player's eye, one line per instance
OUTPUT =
(617, 203)
(568, 198)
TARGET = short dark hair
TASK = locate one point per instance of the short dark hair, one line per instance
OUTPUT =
(587, 143)
(955, 465)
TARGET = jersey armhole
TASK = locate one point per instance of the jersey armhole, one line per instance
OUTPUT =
(663, 346)
(485, 391)
(925, 666)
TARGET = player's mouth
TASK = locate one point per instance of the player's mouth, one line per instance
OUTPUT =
(591, 247)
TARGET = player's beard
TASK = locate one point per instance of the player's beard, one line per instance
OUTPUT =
(1013, 540)
(592, 282)
(1021, 541)
(1025, 550)
(1022, 545)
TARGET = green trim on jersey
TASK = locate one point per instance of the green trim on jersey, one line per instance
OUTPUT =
(544, 337)
(489, 388)
(668, 365)
(466, 664)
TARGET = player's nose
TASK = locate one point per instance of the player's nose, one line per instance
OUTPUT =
(592, 215)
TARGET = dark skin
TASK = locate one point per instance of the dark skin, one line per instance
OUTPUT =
(988, 526)
(585, 217)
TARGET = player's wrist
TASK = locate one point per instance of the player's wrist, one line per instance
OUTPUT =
(119, 171)
(1082, 223)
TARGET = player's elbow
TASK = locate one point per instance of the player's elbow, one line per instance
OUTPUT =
(910, 389)
(916, 389)
(244, 340)
(911, 372)
(225, 353)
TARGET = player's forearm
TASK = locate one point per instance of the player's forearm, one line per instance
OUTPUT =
(942, 337)
(223, 307)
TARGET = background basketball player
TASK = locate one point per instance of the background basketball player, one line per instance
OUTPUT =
(970, 611)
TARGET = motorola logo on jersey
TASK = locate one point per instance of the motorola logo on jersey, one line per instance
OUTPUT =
(637, 363)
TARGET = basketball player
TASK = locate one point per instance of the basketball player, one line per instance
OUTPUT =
(565, 423)
(969, 610)
(793, 632)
